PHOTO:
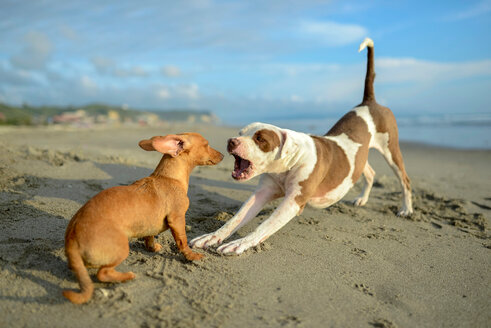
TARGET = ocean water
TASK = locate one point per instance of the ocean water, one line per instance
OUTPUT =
(454, 131)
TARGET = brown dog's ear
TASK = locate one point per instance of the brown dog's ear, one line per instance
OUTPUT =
(170, 144)
(146, 145)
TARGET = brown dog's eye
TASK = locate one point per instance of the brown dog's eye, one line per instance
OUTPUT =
(259, 138)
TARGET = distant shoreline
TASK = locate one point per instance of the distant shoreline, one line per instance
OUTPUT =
(204, 126)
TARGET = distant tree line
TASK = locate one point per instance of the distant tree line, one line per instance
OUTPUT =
(39, 115)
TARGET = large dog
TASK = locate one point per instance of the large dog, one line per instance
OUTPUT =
(314, 170)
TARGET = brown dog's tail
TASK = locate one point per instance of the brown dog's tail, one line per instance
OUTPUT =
(78, 267)
(369, 93)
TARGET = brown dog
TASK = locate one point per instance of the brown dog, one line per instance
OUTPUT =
(97, 236)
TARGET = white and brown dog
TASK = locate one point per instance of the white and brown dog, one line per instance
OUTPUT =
(305, 169)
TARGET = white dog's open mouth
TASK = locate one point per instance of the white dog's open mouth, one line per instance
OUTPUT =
(242, 168)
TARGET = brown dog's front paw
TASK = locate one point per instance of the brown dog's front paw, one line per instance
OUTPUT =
(192, 256)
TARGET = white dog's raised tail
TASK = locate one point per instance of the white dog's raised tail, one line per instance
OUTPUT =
(366, 43)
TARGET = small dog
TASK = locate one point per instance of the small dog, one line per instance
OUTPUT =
(315, 170)
(97, 235)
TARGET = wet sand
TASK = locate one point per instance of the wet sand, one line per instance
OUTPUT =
(336, 267)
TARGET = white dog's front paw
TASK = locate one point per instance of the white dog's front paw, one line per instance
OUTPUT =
(360, 201)
(205, 241)
(236, 247)
(405, 212)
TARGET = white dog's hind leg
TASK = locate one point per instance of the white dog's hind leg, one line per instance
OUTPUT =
(287, 210)
(264, 194)
(368, 175)
(395, 161)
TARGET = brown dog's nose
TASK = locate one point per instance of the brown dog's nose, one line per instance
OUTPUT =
(232, 144)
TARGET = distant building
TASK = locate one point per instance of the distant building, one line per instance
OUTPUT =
(113, 116)
(191, 119)
(101, 119)
(148, 119)
(77, 116)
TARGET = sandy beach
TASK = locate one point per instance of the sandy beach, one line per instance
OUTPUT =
(336, 267)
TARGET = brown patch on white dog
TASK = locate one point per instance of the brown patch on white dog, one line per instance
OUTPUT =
(266, 140)
(357, 130)
(330, 169)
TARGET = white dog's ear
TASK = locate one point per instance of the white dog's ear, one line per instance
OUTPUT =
(285, 144)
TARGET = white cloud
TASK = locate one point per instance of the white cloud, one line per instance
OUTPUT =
(17, 77)
(163, 93)
(478, 9)
(179, 92)
(332, 33)
(103, 65)
(171, 71)
(87, 83)
(69, 33)
(135, 71)
(107, 66)
(36, 52)
(399, 81)
(190, 91)
(296, 98)
(340, 90)
(395, 70)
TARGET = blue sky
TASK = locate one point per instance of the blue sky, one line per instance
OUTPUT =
(247, 60)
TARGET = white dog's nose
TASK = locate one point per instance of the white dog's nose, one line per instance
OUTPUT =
(232, 144)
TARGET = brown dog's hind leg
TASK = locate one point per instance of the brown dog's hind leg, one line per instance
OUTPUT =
(151, 245)
(107, 273)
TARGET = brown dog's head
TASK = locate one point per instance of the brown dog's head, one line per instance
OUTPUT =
(190, 145)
